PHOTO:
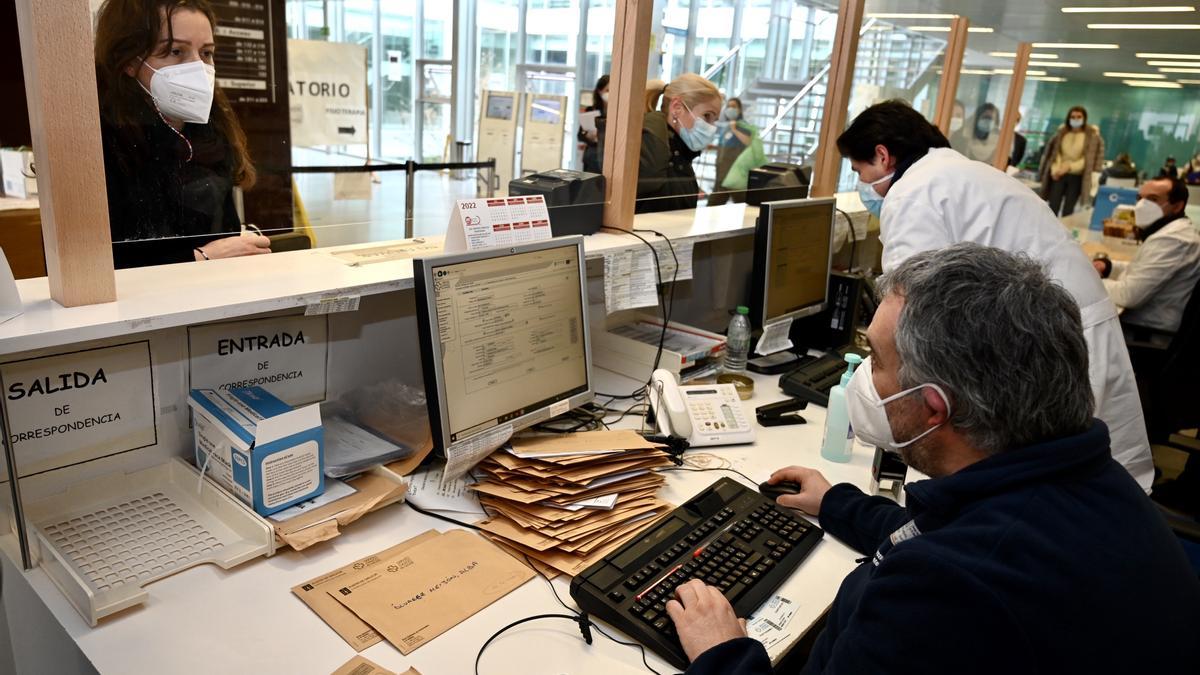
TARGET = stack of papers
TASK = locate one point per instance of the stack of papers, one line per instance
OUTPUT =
(565, 501)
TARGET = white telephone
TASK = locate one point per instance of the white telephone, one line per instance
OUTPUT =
(704, 414)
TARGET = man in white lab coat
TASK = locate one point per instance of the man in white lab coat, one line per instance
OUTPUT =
(936, 197)
(1155, 286)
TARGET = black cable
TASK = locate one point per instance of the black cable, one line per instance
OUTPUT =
(667, 304)
(439, 516)
(749, 480)
(853, 236)
(581, 618)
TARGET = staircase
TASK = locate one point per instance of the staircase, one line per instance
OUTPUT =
(788, 112)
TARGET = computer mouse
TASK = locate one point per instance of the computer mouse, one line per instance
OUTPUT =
(773, 490)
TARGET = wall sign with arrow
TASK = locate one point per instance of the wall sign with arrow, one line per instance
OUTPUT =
(328, 86)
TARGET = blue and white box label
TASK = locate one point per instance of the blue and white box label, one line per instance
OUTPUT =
(259, 448)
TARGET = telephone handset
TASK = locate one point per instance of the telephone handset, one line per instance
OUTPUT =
(704, 414)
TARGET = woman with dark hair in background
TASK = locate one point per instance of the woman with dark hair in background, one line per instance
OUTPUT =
(1071, 156)
(978, 139)
(173, 148)
(591, 155)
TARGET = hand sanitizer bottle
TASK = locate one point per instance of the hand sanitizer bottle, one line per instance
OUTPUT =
(839, 439)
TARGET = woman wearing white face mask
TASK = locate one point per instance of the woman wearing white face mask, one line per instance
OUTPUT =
(672, 137)
(173, 148)
(1071, 156)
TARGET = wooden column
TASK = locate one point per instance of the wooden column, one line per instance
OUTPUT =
(1009, 121)
(952, 61)
(837, 97)
(626, 107)
(64, 118)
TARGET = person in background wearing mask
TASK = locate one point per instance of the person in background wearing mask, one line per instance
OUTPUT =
(735, 137)
(591, 155)
(1191, 171)
(981, 138)
(1071, 156)
(1026, 547)
(1155, 286)
(928, 196)
(673, 136)
(1169, 170)
(173, 148)
(957, 118)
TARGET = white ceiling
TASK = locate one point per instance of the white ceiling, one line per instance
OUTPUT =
(1018, 21)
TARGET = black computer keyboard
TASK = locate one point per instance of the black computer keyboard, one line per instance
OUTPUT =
(728, 536)
(813, 380)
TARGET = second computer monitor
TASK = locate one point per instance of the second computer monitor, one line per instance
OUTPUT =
(504, 337)
(793, 250)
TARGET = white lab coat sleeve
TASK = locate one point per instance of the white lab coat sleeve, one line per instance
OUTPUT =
(911, 225)
(1158, 259)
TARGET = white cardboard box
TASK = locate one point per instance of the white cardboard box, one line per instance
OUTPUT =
(268, 454)
(684, 348)
(16, 168)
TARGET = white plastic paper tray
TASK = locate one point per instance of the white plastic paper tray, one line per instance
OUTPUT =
(104, 540)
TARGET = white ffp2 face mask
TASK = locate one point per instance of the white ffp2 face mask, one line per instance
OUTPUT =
(868, 417)
(1145, 212)
(184, 91)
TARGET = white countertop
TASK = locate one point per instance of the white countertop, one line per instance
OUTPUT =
(152, 298)
(206, 620)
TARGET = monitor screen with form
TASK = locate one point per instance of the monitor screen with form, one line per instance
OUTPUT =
(504, 336)
(793, 253)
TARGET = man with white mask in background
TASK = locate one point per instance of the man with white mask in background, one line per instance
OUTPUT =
(1028, 549)
(1155, 286)
(927, 196)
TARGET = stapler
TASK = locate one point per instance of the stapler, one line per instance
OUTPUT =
(781, 413)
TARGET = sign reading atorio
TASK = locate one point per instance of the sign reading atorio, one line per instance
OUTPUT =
(78, 406)
(285, 355)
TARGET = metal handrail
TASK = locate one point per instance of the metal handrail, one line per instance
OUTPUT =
(812, 83)
(716, 67)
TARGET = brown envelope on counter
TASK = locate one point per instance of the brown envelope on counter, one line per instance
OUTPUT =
(430, 588)
(351, 629)
(589, 441)
(373, 490)
(364, 666)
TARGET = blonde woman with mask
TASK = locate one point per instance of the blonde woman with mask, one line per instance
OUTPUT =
(680, 123)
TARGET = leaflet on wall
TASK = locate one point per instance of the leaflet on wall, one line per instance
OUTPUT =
(79, 406)
(286, 355)
(501, 221)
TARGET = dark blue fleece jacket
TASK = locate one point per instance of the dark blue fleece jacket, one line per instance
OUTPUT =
(1045, 559)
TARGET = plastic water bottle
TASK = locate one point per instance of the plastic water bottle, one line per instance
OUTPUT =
(838, 442)
(737, 341)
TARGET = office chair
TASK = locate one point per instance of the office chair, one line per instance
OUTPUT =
(1170, 405)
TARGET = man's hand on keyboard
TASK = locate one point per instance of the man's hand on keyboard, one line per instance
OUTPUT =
(703, 618)
(813, 487)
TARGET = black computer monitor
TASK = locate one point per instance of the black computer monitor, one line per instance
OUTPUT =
(504, 337)
(793, 250)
